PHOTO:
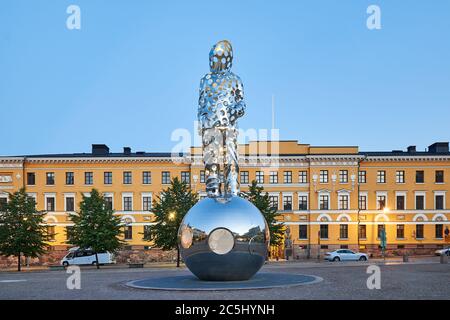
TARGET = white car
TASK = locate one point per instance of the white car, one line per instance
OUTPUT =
(346, 255)
(86, 257)
(441, 252)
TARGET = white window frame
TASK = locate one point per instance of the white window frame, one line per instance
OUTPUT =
(420, 193)
(109, 195)
(127, 194)
(400, 193)
(275, 194)
(343, 193)
(146, 194)
(324, 193)
(365, 194)
(303, 194)
(70, 195)
(440, 193)
(382, 193)
(49, 195)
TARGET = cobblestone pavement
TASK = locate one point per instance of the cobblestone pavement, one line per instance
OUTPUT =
(421, 279)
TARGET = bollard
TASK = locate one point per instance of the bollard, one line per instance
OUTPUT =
(444, 258)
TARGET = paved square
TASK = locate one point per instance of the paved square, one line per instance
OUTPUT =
(429, 280)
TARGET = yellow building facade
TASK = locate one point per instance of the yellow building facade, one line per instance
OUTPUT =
(328, 197)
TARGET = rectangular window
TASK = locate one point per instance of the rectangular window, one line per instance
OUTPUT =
(107, 177)
(273, 178)
(381, 202)
(273, 200)
(88, 178)
(323, 231)
(343, 176)
(147, 203)
(303, 231)
(400, 177)
(147, 232)
(362, 177)
(363, 202)
(419, 231)
(50, 178)
(146, 177)
(202, 176)
(31, 178)
(51, 233)
(343, 202)
(109, 202)
(165, 177)
(127, 203)
(439, 202)
(70, 178)
(186, 177)
(69, 230)
(127, 177)
(259, 177)
(420, 176)
(439, 176)
(50, 204)
(400, 231)
(438, 231)
(287, 202)
(128, 232)
(324, 202)
(303, 177)
(343, 231)
(380, 228)
(244, 177)
(287, 176)
(420, 202)
(323, 176)
(400, 202)
(362, 231)
(70, 204)
(381, 176)
(303, 203)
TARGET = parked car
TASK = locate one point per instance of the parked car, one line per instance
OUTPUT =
(78, 256)
(441, 252)
(345, 255)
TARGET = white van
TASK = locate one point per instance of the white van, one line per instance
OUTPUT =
(77, 256)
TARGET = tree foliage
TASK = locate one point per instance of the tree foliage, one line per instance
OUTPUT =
(22, 229)
(169, 209)
(95, 226)
(261, 200)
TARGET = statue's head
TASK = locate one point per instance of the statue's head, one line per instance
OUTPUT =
(221, 57)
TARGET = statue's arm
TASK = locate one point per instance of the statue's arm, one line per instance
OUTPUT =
(240, 106)
(201, 111)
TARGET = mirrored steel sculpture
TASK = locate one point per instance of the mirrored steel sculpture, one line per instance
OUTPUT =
(223, 237)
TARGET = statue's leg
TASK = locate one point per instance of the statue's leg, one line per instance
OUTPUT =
(231, 169)
(211, 154)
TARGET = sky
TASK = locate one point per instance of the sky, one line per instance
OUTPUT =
(129, 76)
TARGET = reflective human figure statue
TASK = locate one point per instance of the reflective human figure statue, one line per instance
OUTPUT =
(221, 103)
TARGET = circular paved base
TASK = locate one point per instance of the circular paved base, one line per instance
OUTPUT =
(192, 283)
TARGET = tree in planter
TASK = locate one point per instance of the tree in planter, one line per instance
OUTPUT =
(261, 200)
(95, 226)
(169, 210)
(22, 229)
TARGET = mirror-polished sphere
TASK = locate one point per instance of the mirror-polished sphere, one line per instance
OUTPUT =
(224, 239)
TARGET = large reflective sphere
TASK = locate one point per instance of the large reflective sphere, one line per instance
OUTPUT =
(224, 239)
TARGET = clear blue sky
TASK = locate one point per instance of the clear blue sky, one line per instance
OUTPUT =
(130, 76)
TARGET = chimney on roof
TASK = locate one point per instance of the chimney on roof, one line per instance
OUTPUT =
(412, 149)
(126, 150)
(100, 149)
(438, 147)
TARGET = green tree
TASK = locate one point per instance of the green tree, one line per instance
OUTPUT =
(261, 200)
(169, 209)
(95, 226)
(22, 229)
